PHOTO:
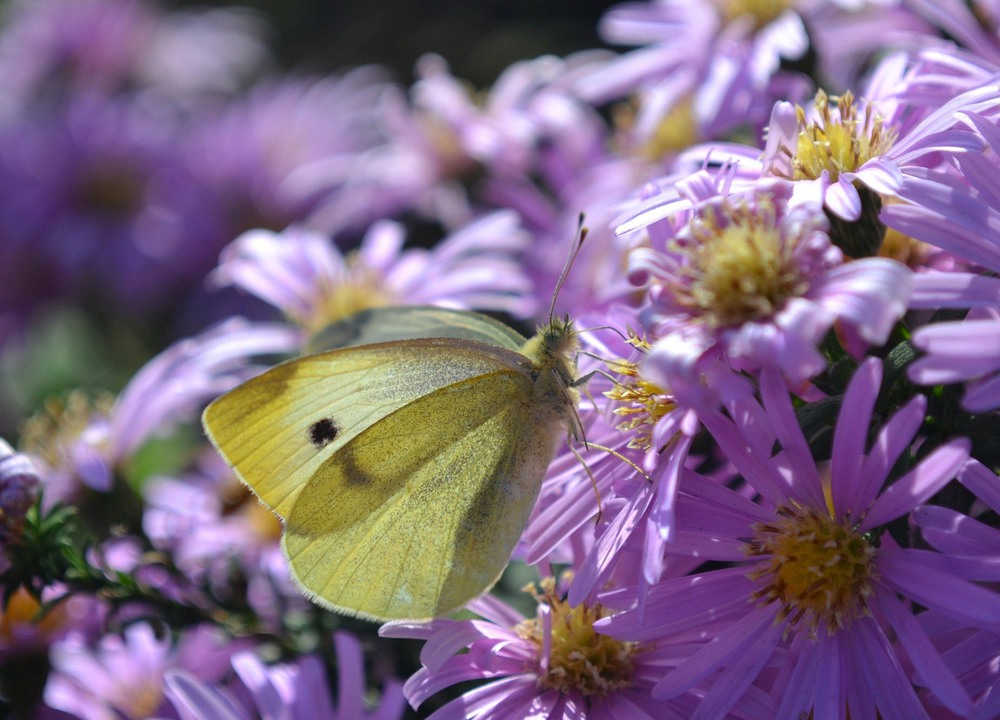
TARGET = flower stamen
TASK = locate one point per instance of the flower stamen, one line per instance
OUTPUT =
(641, 403)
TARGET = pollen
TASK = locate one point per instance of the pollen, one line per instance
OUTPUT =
(640, 403)
(818, 569)
(840, 141)
(579, 658)
(741, 268)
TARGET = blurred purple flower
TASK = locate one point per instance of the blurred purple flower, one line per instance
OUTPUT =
(215, 529)
(122, 677)
(296, 690)
(79, 442)
(703, 66)
(255, 155)
(99, 199)
(49, 48)
(302, 272)
(442, 133)
(809, 555)
(974, 25)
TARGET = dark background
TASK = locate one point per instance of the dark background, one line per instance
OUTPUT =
(479, 39)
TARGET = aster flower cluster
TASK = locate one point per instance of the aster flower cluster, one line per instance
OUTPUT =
(784, 501)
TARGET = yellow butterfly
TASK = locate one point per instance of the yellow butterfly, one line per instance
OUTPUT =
(404, 466)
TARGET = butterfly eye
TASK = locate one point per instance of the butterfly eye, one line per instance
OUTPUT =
(323, 432)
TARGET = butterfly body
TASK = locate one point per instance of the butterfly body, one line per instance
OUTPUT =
(404, 470)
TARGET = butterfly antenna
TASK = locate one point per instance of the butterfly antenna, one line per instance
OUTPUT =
(581, 233)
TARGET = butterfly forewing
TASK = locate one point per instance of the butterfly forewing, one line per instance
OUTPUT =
(418, 514)
(278, 428)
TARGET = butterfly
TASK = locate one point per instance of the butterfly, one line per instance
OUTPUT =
(405, 462)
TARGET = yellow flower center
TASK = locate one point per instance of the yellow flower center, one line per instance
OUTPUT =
(819, 569)
(238, 500)
(50, 432)
(904, 249)
(140, 700)
(740, 270)
(763, 12)
(677, 130)
(580, 659)
(838, 142)
(359, 288)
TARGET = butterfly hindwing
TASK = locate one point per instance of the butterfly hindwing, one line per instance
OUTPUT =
(418, 514)
(388, 324)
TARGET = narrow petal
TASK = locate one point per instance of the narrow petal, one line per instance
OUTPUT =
(843, 200)
(927, 661)
(755, 630)
(893, 438)
(194, 700)
(939, 590)
(918, 485)
(934, 290)
(983, 482)
(727, 689)
(881, 175)
(850, 435)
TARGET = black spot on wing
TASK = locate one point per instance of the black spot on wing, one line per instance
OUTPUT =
(323, 432)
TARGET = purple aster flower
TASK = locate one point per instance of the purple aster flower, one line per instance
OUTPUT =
(99, 200)
(959, 217)
(816, 591)
(551, 665)
(122, 677)
(18, 489)
(51, 47)
(303, 274)
(78, 441)
(863, 158)
(703, 68)
(296, 690)
(756, 280)
(255, 155)
(956, 210)
(213, 527)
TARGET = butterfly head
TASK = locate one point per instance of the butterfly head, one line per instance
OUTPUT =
(552, 352)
